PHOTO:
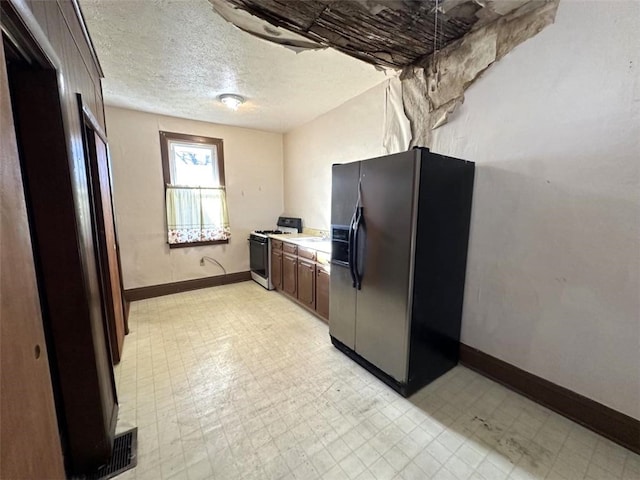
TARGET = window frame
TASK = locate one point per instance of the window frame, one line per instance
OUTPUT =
(165, 138)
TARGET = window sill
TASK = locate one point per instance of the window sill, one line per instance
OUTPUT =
(197, 244)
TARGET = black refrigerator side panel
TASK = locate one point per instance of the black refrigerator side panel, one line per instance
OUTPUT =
(444, 213)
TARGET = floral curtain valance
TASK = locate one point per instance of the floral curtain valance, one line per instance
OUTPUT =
(196, 214)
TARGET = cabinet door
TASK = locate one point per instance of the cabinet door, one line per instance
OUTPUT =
(290, 275)
(276, 268)
(322, 292)
(307, 283)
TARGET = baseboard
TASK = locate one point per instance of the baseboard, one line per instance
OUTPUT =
(152, 291)
(609, 423)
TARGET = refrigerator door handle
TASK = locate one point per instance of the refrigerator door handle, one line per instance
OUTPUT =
(350, 253)
(358, 224)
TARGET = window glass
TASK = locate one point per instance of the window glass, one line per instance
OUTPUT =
(193, 165)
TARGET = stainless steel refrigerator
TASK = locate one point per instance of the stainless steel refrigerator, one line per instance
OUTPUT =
(399, 231)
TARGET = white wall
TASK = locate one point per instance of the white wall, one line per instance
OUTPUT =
(351, 132)
(554, 257)
(253, 174)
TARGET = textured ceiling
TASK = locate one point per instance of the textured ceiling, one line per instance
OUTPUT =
(176, 57)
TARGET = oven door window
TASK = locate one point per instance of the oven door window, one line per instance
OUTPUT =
(258, 257)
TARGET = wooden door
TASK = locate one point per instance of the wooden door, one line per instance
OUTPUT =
(307, 283)
(96, 151)
(290, 275)
(29, 429)
(59, 203)
(276, 269)
(322, 292)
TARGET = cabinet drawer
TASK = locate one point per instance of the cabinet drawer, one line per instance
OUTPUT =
(306, 253)
(276, 244)
(290, 248)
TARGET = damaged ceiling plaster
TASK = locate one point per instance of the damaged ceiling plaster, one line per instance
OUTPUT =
(440, 46)
(442, 78)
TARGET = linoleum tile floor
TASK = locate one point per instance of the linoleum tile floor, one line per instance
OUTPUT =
(235, 382)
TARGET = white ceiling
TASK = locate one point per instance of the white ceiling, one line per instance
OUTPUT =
(176, 57)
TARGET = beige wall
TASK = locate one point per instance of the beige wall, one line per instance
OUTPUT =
(253, 171)
(348, 133)
(554, 259)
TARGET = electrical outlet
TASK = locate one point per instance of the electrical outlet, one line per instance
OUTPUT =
(202, 262)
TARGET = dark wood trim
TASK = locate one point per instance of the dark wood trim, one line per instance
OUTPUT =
(82, 41)
(29, 431)
(64, 247)
(106, 240)
(91, 119)
(609, 423)
(87, 37)
(95, 125)
(18, 21)
(133, 294)
(197, 244)
(165, 137)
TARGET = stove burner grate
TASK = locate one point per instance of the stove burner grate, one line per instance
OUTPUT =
(267, 232)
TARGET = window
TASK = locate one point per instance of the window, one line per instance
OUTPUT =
(195, 195)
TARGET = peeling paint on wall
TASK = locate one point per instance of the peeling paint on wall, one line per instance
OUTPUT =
(397, 129)
(434, 89)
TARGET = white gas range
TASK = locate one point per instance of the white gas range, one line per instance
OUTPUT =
(260, 249)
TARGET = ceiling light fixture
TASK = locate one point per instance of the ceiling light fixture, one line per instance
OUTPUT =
(231, 100)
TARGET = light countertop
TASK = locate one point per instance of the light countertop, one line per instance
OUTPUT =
(304, 240)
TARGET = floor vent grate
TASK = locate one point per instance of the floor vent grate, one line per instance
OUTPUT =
(123, 458)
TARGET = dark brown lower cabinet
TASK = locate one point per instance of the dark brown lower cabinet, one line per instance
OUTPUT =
(307, 283)
(322, 291)
(302, 273)
(290, 275)
(276, 268)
